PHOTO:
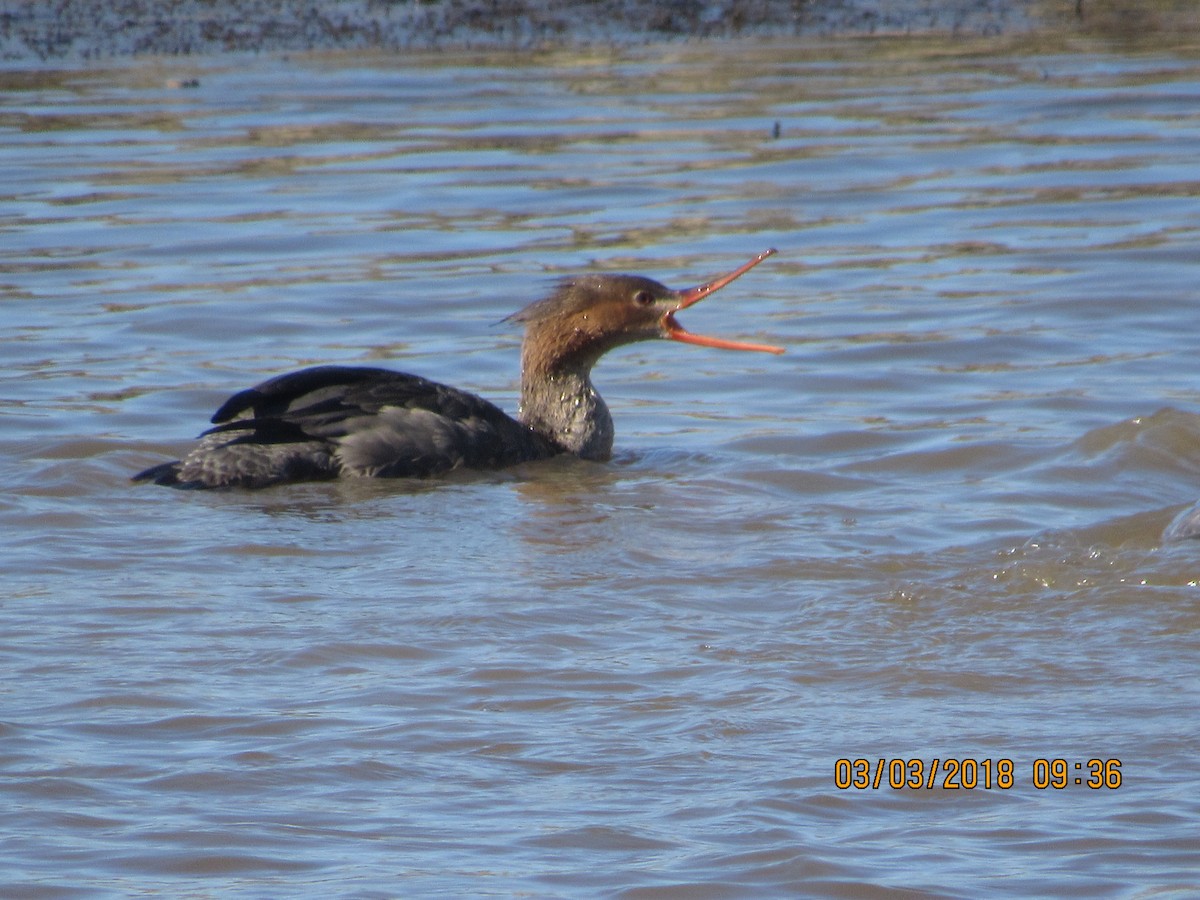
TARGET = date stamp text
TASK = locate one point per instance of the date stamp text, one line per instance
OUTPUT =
(961, 773)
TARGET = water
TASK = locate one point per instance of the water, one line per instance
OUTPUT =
(932, 530)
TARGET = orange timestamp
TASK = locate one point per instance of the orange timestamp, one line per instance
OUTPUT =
(969, 774)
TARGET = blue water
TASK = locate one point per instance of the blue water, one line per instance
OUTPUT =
(931, 530)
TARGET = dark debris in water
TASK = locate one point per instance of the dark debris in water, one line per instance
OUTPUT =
(89, 29)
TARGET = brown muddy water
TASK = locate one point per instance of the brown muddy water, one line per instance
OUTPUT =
(928, 535)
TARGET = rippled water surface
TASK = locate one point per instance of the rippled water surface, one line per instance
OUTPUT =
(931, 530)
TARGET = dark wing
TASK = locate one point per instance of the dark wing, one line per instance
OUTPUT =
(284, 393)
(333, 420)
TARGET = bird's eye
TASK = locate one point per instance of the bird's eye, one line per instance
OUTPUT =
(643, 298)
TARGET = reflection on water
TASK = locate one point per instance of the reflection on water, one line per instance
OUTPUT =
(931, 529)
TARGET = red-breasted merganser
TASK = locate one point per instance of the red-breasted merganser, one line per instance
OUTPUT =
(343, 421)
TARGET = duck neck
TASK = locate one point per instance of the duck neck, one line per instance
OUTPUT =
(559, 401)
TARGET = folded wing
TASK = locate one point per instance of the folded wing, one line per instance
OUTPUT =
(330, 421)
